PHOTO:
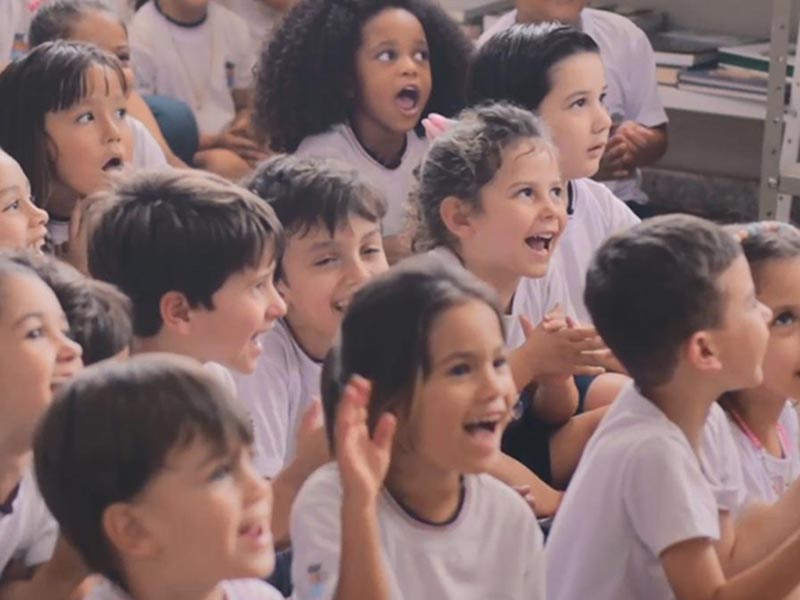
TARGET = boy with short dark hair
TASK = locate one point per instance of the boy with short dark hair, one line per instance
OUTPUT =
(674, 300)
(145, 466)
(332, 222)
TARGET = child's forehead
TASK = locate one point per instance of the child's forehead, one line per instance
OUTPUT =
(319, 232)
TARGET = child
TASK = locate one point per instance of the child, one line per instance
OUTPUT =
(351, 80)
(196, 255)
(34, 349)
(145, 466)
(414, 515)
(22, 223)
(198, 52)
(640, 488)
(640, 123)
(261, 15)
(333, 227)
(490, 198)
(93, 22)
(763, 419)
(557, 72)
(63, 119)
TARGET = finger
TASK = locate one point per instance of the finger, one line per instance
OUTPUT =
(591, 371)
(240, 143)
(312, 417)
(571, 323)
(556, 311)
(527, 327)
(595, 345)
(384, 431)
(579, 334)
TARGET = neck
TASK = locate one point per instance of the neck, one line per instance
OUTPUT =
(157, 585)
(164, 342)
(310, 342)
(61, 201)
(180, 12)
(12, 466)
(686, 401)
(430, 493)
(385, 146)
(503, 282)
(760, 409)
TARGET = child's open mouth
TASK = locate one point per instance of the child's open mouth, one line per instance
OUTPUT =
(113, 164)
(540, 242)
(476, 427)
(408, 99)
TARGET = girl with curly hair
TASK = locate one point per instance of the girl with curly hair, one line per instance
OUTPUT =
(352, 79)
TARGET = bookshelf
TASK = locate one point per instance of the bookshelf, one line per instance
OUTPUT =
(677, 99)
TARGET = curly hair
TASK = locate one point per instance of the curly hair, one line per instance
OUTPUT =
(304, 72)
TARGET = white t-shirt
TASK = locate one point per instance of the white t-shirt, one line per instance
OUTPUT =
(28, 534)
(765, 476)
(198, 64)
(630, 73)
(597, 214)
(276, 396)
(491, 550)
(234, 589)
(638, 490)
(14, 19)
(533, 298)
(721, 464)
(147, 154)
(261, 19)
(340, 142)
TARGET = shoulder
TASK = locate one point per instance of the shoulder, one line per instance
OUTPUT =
(592, 197)
(226, 17)
(326, 143)
(322, 487)
(417, 146)
(501, 24)
(145, 19)
(607, 22)
(249, 589)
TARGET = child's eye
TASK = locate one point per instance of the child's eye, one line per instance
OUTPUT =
(124, 58)
(579, 103)
(459, 369)
(85, 118)
(324, 262)
(557, 192)
(120, 113)
(527, 192)
(221, 472)
(35, 333)
(603, 98)
(784, 319)
(387, 56)
(12, 207)
(422, 55)
(500, 362)
(372, 250)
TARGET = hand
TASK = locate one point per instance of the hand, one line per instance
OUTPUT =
(616, 162)
(241, 145)
(311, 443)
(559, 348)
(436, 124)
(527, 495)
(363, 462)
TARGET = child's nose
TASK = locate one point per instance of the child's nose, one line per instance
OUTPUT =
(276, 306)
(69, 349)
(37, 215)
(602, 120)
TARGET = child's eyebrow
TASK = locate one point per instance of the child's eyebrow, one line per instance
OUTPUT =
(376, 232)
(26, 316)
(9, 189)
(323, 245)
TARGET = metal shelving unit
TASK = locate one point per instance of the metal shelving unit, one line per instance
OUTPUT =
(780, 157)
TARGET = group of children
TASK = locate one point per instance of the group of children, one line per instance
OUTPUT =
(273, 398)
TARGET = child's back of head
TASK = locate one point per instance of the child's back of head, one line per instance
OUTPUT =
(651, 288)
(139, 443)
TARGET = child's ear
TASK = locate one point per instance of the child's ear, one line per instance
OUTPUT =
(702, 352)
(175, 312)
(127, 532)
(457, 217)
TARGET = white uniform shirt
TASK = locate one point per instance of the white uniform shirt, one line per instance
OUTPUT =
(147, 154)
(340, 142)
(638, 490)
(630, 73)
(234, 589)
(261, 19)
(15, 17)
(597, 214)
(28, 534)
(533, 298)
(765, 476)
(276, 395)
(491, 550)
(199, 65)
